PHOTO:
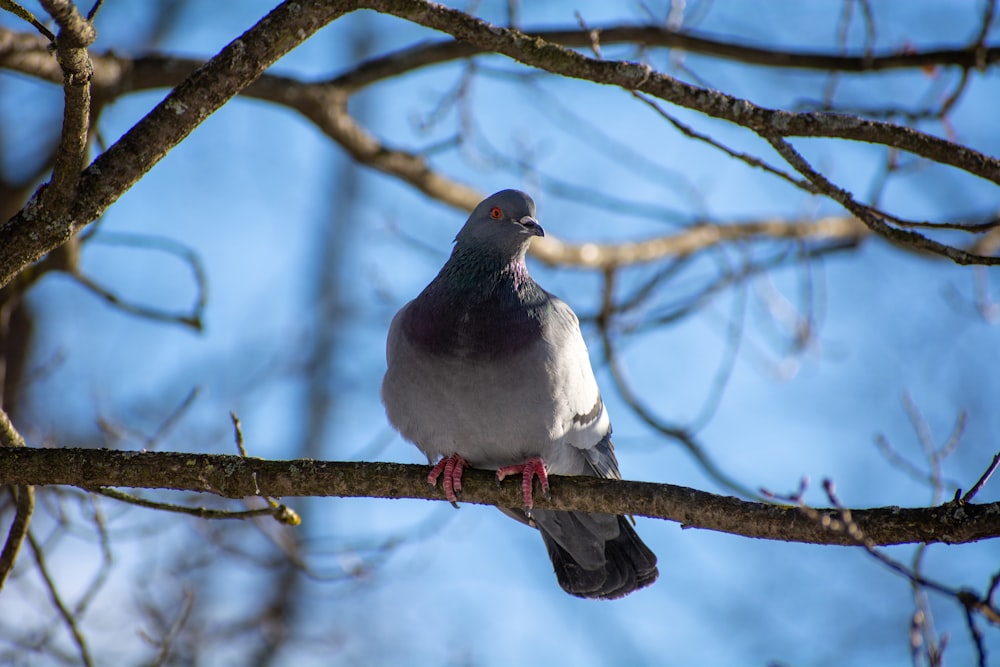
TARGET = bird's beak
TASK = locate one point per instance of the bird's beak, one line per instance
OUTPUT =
(531, 226)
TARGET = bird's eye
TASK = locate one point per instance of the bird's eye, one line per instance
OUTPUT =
(496, 213)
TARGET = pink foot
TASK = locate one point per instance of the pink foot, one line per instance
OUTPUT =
(533, 467)
(452, 466)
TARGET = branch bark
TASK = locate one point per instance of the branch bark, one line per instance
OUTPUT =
(76, 34)
(238, 477)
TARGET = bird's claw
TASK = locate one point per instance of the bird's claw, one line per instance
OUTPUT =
(452, 466)
(533, 467)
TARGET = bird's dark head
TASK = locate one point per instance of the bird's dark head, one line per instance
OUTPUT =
(503, 222)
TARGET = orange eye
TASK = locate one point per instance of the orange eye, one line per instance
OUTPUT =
(496, 213)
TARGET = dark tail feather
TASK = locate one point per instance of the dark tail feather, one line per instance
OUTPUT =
(597, 556)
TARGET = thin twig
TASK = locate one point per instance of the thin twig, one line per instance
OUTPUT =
(24, 498)
(733, 337)
(69, 620)
(19, 11)
(742, 157)
(180, 620)
(107, 558)
(281, 513)
(93, 10)
(153, 439)
(193, 319)
(238, 433)
(24, 504)
(985, 477)
(136, 309)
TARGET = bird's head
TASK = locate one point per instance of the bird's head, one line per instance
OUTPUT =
(503, 222)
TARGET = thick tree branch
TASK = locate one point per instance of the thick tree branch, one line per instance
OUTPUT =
(238, 477)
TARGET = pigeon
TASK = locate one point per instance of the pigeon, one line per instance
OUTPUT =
(485, 369)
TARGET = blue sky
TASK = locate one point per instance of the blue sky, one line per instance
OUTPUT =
(249, 192)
